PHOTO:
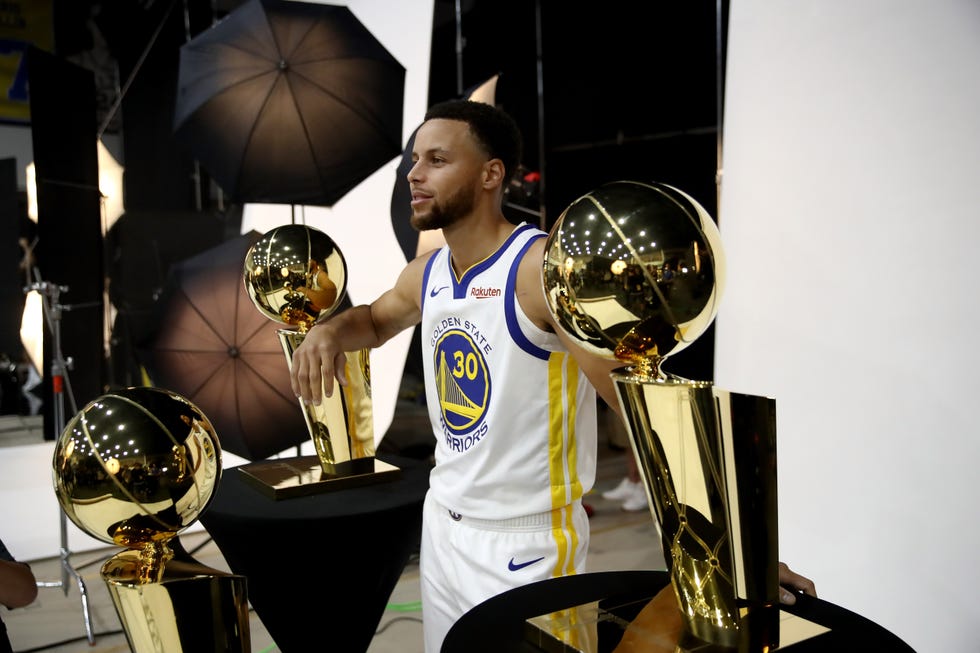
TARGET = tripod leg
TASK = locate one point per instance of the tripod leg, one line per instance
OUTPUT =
(59, 385)
(86, 614)
(66, 571)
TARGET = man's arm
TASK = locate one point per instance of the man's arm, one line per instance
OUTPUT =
(320, 357)
(531, 295)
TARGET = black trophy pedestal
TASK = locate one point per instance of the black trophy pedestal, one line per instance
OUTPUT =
(303, 475)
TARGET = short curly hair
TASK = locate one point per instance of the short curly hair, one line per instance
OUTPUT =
(493, 128)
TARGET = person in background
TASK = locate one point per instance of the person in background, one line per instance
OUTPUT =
(630, 490)
(18, 587)
(511, 398)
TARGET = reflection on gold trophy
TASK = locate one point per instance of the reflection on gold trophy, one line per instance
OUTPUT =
(296, 275)
(135, 468)
(634, 272)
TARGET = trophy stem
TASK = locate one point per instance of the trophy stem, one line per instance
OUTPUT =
(181, 606)
(708, 461)
(342, 426)
(342, 431)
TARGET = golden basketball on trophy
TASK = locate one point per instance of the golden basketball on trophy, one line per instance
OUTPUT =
(634, 272)
(296, 275)
(135, 468)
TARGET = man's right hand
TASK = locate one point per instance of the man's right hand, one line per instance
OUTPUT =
(316, 362)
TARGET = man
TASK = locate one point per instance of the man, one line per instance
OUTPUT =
(511, 398)
(18, 588)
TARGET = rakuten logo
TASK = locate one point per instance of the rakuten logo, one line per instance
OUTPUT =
(484, 293)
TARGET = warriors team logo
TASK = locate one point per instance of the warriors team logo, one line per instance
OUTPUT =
(462, 382)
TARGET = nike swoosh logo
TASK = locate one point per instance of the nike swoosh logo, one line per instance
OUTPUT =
(436, 291)
(515, 566)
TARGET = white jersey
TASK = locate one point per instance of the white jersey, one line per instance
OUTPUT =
(514, 417)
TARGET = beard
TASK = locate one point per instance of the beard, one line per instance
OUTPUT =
(442, 215)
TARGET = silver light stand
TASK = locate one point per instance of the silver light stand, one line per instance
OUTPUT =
(51, 294)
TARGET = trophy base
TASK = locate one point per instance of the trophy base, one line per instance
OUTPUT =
(632, 627)
(300, 476)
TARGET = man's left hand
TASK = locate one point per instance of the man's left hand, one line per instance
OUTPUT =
(791, 583)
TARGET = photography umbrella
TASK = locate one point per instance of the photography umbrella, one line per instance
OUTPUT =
(214, 347)
(289, 102)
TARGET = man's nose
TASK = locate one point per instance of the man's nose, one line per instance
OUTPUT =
(414, 172)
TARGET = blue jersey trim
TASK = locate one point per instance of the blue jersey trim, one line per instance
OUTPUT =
(460, 287)
(425, 277)
(510, 310)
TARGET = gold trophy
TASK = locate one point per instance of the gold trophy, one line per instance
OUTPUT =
(135, 468)
(634, 271)
(296, 275)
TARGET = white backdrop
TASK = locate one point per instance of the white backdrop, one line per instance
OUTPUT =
(849, 218)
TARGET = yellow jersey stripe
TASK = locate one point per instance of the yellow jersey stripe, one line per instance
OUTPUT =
(565, 484)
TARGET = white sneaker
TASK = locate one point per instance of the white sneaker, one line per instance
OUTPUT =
(621, 491)
(637, 498)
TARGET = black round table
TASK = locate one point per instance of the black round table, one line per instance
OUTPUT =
(320, 568)
(499, 624)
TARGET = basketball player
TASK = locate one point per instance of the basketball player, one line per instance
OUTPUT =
(511, 398)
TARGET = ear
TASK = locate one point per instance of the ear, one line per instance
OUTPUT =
(493, 174)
